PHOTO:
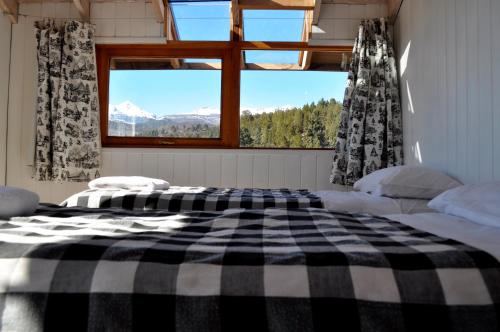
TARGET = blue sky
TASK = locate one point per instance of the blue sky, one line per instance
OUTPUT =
(186, 91)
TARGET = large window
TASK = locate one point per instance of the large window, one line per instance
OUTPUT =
(231, 77)
(179, 99)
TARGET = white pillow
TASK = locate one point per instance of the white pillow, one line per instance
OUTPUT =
(407, 182)
(479, 203)
(129, 182)
(17, 202)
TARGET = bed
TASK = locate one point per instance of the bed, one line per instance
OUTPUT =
(485, 237)
(276, 269)
(178, 198)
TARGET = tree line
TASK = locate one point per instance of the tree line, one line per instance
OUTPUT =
(313, 125)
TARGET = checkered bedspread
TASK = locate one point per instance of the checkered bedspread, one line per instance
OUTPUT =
(77, 269)
(177, 199)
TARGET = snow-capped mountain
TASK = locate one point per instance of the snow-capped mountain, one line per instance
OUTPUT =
(129, 112)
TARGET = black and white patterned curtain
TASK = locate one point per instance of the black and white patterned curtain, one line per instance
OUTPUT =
(370, 135)
(67, 114)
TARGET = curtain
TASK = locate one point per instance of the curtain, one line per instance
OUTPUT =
(370, 133)
(67, 112)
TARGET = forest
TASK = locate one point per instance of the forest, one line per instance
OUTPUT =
(313, 125)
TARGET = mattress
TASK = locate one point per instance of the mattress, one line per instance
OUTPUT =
(483, 237)
(177, 199)
(309, 269)
(361, 202)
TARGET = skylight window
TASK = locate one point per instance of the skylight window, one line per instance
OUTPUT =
(273, 25)
(202, 20)
(274, 57)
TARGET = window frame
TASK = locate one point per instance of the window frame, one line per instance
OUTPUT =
(232, 58)
(105, 52)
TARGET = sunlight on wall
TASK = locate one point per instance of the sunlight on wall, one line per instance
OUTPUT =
(416, 152)
(318, 30)
(410, 100)
(403, 62)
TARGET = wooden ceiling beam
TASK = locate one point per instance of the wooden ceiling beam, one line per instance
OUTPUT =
(276, 4)
(10, 8)
(305, 56)
(203, 66)
(159, 10)
(83, 7)
(292, 46)
(272, 66)
(356, 2)
(393, 6)
(316, 11)
(163, 14)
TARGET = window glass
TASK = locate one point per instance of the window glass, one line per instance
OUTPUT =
(290, 109)
(176, 99)
(273, 25)
(276, 57)
(202, 20)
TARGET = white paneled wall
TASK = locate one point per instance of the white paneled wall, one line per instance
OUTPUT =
(338, 23)
(4, 90)
(132, 22)
(449, 54)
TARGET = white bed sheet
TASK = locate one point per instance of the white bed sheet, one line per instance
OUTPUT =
(480, 236)
(361, 202)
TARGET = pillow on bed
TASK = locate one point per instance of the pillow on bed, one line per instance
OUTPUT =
(479, 203)
(407, 182)
(17, 202)
(129, 183)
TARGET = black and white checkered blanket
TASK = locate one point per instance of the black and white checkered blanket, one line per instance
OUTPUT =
(76, 269)
(177, 199)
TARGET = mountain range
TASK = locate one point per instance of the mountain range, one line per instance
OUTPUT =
(128, 119)
(130, 113)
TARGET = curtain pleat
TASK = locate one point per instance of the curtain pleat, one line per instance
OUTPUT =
(67, 113)
(370, 133)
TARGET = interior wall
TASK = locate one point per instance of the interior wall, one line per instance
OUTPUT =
(133, 22)
(449, 63)
(4, 91)
(338, 23)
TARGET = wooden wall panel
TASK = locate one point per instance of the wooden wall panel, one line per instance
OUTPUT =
(213, 170)
(244, 174)
(339, 22)
(260, 171)
(150, 165)
(228, 170)
(5, 33)
(197, 170)
(276, 171)
(449, 85)
(495, 51)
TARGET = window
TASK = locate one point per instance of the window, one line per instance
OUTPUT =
(261, 58)
(154, 95)
(202, 20)
(273, 25)
(303, 115)
(228, 77)
(184, 100)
